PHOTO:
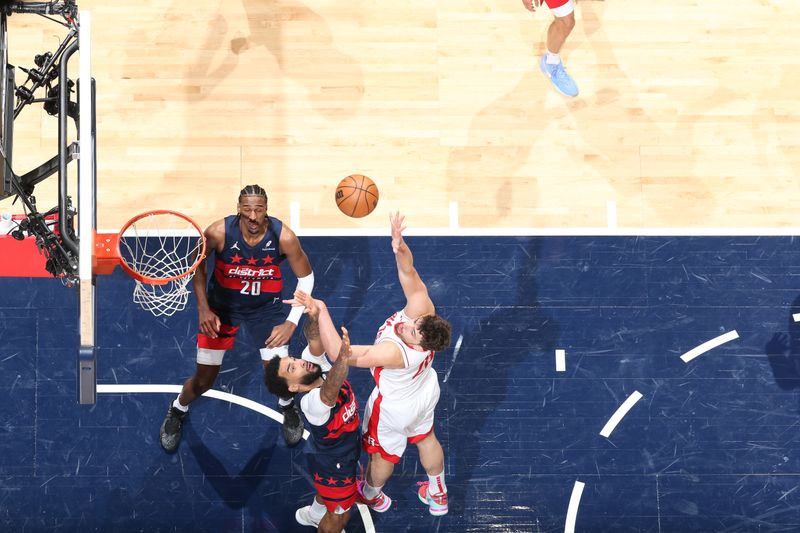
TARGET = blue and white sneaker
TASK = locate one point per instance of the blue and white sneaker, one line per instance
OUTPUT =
(562, 81)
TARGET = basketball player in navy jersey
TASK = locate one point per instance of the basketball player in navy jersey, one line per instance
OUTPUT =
(331, 411)
(245, 288)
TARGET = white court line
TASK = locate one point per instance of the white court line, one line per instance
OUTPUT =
(621, 411)
(369, 526)
(382, 231)
(561, 361)
(366, 518)
(709, 345)
(574, 503)
(611, 214)
(216, 394)
(796, 317)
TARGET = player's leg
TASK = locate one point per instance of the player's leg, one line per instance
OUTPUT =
(434, 491)
(194, 387)
(319, 516)
(210, 352)
(558, 32)
(384, 440)
(379, 470)
(550, 63)
(261, 328)
(333, 522)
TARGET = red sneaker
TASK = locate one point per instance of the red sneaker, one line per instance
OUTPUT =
(437, 503)
(379, 504)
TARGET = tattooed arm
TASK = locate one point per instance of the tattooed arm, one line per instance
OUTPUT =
(336, 376)
(311, 329)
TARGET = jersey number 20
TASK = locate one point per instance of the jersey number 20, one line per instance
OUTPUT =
(253, 288)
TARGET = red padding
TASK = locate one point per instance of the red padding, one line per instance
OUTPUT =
(21, 258)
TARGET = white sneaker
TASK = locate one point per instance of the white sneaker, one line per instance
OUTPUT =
(303, 517)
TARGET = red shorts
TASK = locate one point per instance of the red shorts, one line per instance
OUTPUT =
(335, 479)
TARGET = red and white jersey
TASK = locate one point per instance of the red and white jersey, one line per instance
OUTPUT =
(416, 375)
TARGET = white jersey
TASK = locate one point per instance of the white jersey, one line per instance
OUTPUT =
(415, 376)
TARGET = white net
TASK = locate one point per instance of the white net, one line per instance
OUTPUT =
(162, 300)
(162, 249)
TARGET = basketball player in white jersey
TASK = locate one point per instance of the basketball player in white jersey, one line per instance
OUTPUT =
(401, 407)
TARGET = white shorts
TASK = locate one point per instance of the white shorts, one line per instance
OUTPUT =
(390, 425)
(560, 8)
(211, 357)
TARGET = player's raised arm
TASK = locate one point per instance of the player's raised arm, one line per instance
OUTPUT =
(336, 376)
(418, 303)
(298, 261)
(384, 354)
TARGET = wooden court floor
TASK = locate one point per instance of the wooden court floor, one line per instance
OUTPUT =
(687, 117)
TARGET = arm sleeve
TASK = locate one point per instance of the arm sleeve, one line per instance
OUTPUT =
(305, 284)
(316, 412)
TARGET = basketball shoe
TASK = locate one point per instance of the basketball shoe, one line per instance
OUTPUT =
(292, 424)
(379, 504)
(303, 517)
(171, 429)
(562, 81)
(437, 503)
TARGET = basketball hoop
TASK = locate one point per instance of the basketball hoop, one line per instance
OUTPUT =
(160, 250)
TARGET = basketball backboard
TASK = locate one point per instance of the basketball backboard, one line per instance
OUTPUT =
(87, 216)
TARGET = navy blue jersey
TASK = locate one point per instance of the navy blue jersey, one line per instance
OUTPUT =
(340, 435)
(247, 278)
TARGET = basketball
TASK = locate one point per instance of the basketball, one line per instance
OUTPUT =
(356, 196)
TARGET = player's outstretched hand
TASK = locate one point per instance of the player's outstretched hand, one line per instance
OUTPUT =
(301, 299)
(397, 220)
(345, 350)
(531, 5)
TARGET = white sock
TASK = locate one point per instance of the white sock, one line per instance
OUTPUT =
(177, 405)
(317, 510)
(284, 403)
(371, 492)
(552, 59)
(437, 485)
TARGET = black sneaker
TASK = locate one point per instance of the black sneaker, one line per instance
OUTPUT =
(292, 424)
(171, 429)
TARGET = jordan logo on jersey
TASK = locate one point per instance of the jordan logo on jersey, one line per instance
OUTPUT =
(235, 246)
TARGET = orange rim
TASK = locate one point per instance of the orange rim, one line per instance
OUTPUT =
(107, 253)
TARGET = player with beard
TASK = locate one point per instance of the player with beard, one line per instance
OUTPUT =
(331, 412)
